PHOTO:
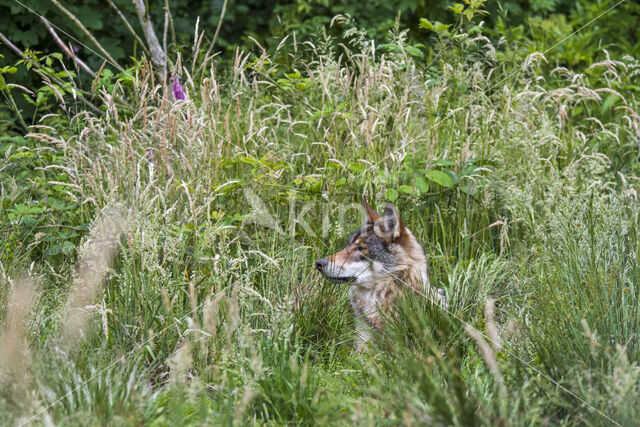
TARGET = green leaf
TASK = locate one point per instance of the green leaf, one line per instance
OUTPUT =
(441, 27)
(436, 26)
(406, 189)
(67, 247)
(35, 210)
(8, 70)
(21, 209)
(284, 83)
(64, 74)
(29, 220)
(388, 47)
(53, 250)
(106, 74)
(453, 176)
(303, 84)
(247, 160)
(426, 24)
(355, 168)
(313, 185)
(28, 99)
(391, 194)
(421, 184)
(457, 8)
(414, 51)
(439, 177)
(443, 162)
(608, 103)
(125, 76)
(294, 76)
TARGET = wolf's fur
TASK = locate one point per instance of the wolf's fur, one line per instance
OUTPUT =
(381, 259)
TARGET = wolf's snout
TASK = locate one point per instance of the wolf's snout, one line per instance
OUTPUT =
(321, 263)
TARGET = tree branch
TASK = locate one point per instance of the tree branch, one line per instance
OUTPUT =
(88, 34)
(65, 48)
(166, 25)
(130, 28)
(158, 56)
(215, 36)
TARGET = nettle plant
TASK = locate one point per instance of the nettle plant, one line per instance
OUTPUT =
(40, 202)
(58, 84)
(467, 11)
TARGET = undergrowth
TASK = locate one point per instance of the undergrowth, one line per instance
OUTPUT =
(519, 179)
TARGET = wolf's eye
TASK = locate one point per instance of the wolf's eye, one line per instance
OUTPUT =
(361, 248)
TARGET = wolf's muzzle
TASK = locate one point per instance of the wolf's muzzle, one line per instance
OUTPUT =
(321, 264)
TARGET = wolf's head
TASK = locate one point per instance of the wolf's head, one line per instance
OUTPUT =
(383, 248)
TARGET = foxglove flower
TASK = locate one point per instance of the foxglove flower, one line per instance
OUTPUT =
(178, 92)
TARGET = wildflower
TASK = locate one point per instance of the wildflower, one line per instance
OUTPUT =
(178, 92)
(151, 156)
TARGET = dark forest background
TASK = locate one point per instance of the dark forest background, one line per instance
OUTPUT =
(536, 22)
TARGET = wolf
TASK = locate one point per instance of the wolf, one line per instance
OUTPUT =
(381, 259)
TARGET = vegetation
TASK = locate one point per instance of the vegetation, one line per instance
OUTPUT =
(158, 252)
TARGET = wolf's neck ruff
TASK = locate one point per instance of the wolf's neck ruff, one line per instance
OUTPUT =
(372, 300)
(381, 259)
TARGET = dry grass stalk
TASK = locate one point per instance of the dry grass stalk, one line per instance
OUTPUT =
(492, 328)
(95, 257)
(14, 349)
(487, 351)
(180, 363)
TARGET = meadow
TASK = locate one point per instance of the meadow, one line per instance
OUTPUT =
(158, 258)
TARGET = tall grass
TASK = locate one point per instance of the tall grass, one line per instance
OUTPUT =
(211, 312)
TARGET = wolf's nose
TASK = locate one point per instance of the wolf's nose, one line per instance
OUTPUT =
(321, 263)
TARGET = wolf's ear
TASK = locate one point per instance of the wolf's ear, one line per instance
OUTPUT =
(391, 226)
(372, 215)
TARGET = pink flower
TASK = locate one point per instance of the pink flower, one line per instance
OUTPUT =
(178, 92)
